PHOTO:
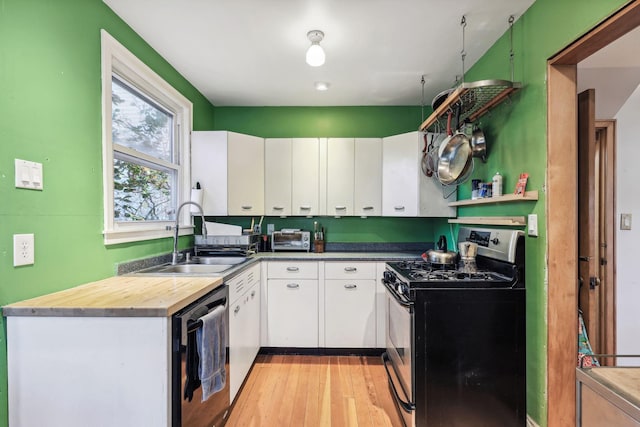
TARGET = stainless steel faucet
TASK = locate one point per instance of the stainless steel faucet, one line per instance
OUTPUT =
(175, 254)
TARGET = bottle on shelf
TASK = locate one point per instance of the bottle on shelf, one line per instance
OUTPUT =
(496, 185)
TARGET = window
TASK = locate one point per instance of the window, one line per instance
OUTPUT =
(146, 128)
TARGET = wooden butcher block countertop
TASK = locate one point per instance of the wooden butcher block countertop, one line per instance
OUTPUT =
(119, 296)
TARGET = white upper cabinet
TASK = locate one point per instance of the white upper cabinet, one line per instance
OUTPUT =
(305, 176)
(277, 176)
(230, 168)
(245, 174)
(368, 177)
(400, 169)
(340, 176)
(209, 168)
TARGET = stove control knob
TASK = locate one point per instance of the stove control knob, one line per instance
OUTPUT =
(388, 277)
(495, 241)
(401, 288)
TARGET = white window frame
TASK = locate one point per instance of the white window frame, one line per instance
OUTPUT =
(116, 59)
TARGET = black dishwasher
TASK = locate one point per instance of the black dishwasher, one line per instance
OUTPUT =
(187, 407)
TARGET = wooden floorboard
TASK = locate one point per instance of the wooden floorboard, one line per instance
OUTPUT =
(315, 391)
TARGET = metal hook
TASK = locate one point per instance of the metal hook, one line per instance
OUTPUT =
(463, 54)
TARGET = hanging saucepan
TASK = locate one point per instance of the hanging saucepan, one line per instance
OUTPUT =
(455, 159)
(478, 143)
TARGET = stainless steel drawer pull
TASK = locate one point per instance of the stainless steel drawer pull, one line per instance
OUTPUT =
(367, 208)
(246, 207)
(293, 285)
(293, 269)
(237, 309)
(278, 208)
(350, 269)
(305, 208)
(350, 286)
(341, 208)
(399, 208)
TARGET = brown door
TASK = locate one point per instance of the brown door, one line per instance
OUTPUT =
(588, 212)
(596, 229)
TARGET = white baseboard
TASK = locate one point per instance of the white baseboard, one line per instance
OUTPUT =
(531, 423)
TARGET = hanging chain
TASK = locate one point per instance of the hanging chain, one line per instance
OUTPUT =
(422, 102)
(463, 53)
(511, 19)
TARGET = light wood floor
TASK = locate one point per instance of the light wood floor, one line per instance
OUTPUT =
(315, 391)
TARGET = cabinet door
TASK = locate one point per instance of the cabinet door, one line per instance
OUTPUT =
(350, 319)
(368, 177)
(245, 172)
(292, 313)
(400, 167)
(340, 176)
(209, 168)
(305, 183)
(432, 194)
(277, 177)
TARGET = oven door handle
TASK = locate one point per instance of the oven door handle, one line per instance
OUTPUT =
(406, 304)
(406, 406)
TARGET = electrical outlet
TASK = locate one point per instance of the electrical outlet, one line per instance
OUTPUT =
(625, 221)
(532, 225)
(23, 249)
(28, 175)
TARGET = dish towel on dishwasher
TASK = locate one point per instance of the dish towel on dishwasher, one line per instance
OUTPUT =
(211, 339)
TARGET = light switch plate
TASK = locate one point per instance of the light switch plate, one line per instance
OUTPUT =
(625, 221)
(532, 225)
(28, 174)
(23, 250)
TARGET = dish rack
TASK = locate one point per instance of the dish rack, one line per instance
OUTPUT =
(245, 244)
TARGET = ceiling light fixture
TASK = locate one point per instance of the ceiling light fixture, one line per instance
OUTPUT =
(315, 53)
(322, 86)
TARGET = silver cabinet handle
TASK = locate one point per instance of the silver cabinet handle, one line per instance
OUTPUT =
(237, 309)
(350, 286)
(293, 269)
(278, 208)
(399, 208)
(341, 208)
(367, 208)
(350, 269)
(293, 285)
(246, 207)
(305, 208)
(253, 294)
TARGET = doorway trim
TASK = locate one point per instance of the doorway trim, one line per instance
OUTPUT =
(562, 190)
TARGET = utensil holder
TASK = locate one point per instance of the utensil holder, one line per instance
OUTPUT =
(318, 246)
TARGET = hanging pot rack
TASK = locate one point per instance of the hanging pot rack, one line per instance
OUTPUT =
(474, 99)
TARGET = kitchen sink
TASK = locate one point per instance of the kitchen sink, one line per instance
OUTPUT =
(196, 266)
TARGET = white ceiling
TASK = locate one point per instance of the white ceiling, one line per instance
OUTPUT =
(614, 72)
(252, 52)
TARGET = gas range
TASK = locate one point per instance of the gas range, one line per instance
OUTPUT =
(499, 264)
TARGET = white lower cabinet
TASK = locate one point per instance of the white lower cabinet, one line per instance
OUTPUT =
(349, 304)
(244, 326)
(292, 304)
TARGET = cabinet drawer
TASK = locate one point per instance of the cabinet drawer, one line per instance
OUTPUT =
(350, 270)
(293, 269)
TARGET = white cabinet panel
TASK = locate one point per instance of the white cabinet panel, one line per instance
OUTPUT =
(305, 172)
(292, 317)
(278, 177)
(368, 177)
(349, 270)
(209, 168)
(381, 314)
(340, 176)
(350, 319)
(400, 168)
(245, 173)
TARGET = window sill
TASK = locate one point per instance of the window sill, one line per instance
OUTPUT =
(137, 235)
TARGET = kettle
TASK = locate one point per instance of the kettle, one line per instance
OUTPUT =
(440, 255)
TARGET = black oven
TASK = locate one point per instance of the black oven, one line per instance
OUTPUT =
(456, 341)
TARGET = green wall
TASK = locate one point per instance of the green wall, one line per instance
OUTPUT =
(516, 134)
(50, 105)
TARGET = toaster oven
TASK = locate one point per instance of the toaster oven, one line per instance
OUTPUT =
(291, 240)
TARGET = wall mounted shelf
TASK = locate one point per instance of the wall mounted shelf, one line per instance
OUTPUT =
(474, 100)
(528, 196)
(514, 221)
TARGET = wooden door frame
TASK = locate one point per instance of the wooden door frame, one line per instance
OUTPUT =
(562, 190)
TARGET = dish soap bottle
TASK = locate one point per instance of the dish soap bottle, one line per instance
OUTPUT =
(496, 185)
